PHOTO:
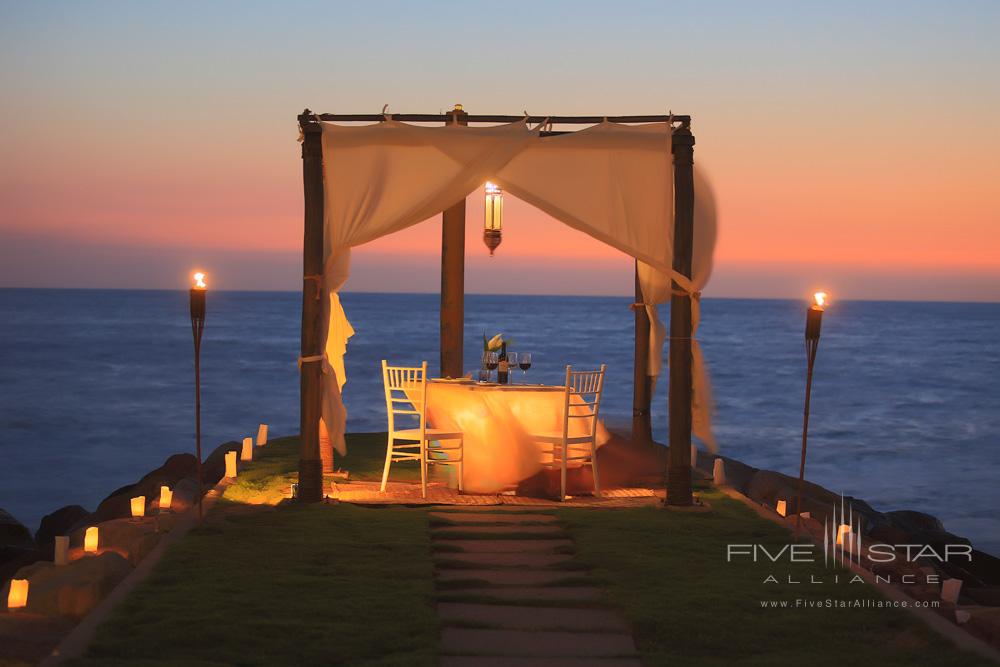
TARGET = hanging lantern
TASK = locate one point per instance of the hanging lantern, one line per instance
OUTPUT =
(492, 227)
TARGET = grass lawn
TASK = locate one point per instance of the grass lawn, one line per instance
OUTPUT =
(276, 466)
(687, 606)
(322, 584)
(285, 585)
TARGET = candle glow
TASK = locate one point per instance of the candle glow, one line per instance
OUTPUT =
(231, 464)
(166, 497)
(138, 507)
(90, 539)
(17, 598)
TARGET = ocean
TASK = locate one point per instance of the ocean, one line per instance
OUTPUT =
(96, 386)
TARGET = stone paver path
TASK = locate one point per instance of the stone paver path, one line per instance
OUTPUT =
(510, 594)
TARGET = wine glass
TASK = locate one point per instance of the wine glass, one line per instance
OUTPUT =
(524, 363)
(512, 364)
(492, 360)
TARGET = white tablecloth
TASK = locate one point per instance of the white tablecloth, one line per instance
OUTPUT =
(497, 421)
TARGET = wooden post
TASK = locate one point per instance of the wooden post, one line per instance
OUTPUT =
(310, 388)
(453, 278)
(679, 400)
(642, 430)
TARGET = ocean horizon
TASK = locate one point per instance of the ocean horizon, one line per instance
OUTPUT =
(96, 385)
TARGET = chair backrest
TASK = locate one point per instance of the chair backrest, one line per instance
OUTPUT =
(583, 398)
(405, 393)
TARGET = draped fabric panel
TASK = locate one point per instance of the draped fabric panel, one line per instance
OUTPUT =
(379, 179)
(613, 182)
(657, 288)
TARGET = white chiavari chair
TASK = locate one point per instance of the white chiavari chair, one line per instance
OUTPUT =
(577, 445)
(406, 400)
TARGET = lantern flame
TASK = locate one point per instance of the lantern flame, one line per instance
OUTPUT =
(492, 188)
(199, 281)
(821, 299)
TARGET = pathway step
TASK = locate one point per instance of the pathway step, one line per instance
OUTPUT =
(509, 577)
(485, 517)
(554, 531)
(508, 546)
(532, 594)
(513, 617)
(542, 644)
(511, 509)
(532, 560)
(514, 661)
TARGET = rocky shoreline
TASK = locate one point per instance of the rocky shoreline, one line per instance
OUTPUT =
(125, 542)
(74, 589)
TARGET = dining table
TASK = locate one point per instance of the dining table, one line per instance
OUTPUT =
(497, 422)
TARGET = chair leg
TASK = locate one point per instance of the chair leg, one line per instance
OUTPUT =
(562, 474)
(461, 464)
(423, 469)
(388, 460)
(593, 467)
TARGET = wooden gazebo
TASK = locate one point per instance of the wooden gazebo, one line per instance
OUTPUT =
(311, 463)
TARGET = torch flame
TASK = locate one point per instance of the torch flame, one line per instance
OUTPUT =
(820, 299)
(199, 281)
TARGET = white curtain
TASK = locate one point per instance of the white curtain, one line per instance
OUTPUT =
(657, 289)
(613, 182)
(379, 179)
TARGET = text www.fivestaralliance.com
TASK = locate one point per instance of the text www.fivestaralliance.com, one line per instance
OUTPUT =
(829, 603)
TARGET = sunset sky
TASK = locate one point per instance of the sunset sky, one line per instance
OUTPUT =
(852, 145)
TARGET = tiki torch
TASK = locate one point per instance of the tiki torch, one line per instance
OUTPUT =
(198, 293)
(814, 322)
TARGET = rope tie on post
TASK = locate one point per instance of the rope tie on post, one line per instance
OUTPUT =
(318, 281)
(312, 359)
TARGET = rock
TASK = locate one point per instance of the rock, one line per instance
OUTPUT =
(130, 539)
(118, 505)
(984, 622)
(13, 559)
(73, 589)
(58, 523)
(185, 495)
(912, 521)
(214, 466)
(13, 533)
(988, 596)
(767, 487)
(986, 567)
(17, 549)
(738, 474)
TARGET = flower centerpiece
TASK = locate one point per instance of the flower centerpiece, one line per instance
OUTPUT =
(495, 357)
